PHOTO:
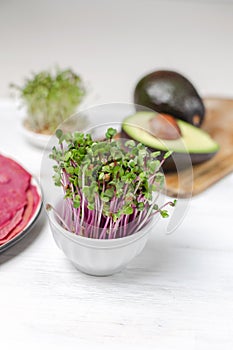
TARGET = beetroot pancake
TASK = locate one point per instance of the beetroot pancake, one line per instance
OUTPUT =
(19, 199)
(14, 182)
(28, 213)
(36, 198)
(4, 231)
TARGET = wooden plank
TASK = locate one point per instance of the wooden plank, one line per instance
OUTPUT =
(219, 124)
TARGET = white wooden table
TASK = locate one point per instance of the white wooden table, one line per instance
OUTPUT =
(178, 294)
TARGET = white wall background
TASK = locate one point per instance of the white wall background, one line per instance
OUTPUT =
(112, 43)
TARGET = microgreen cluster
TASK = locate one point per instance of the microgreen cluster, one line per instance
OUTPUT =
(111, 186)
(50, 98)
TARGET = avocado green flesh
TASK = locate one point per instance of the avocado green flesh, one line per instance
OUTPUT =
(193, 139)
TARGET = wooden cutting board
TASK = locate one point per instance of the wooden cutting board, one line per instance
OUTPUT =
(219, 124)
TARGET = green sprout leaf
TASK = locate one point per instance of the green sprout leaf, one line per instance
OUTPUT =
(77, 201)
(155, 154)
(110, 133)
(164, 213)
(59, 133)
(167, 154)
(130, 144)
(128, 210)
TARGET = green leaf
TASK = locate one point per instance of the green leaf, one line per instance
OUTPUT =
(154, 165)
(167, 154)
(105, 199)
(77, 202)
(140, 206)
(109, 192)
(173, 204)
(130, 143)
(142, 175)
(164, 213)
(67, 156)
(101, 176)
(148, 196)
(110, 133)
(57, 179)
(86, 190)
(106, 168)
(91, 206)
(70, 170)
(128, 210)
(59, 133)
(155, 154)
(132, 163)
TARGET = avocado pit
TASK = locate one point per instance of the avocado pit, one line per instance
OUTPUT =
(164, 126)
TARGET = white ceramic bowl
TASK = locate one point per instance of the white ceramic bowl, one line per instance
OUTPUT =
(35, 139)
(99, 257)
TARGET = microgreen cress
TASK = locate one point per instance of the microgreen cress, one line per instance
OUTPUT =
(110, 186)
(50, 98)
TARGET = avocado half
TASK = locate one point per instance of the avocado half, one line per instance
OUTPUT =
(170, 92)
(193, 147)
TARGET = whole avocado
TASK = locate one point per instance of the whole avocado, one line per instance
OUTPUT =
(170, 92)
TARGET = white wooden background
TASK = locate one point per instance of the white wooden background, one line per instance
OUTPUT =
(178, 294)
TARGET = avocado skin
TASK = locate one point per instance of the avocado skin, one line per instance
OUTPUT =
(177, 161)
(181, 161)
(170, 92)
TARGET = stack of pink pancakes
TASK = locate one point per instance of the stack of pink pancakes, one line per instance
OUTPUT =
(18, 199)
